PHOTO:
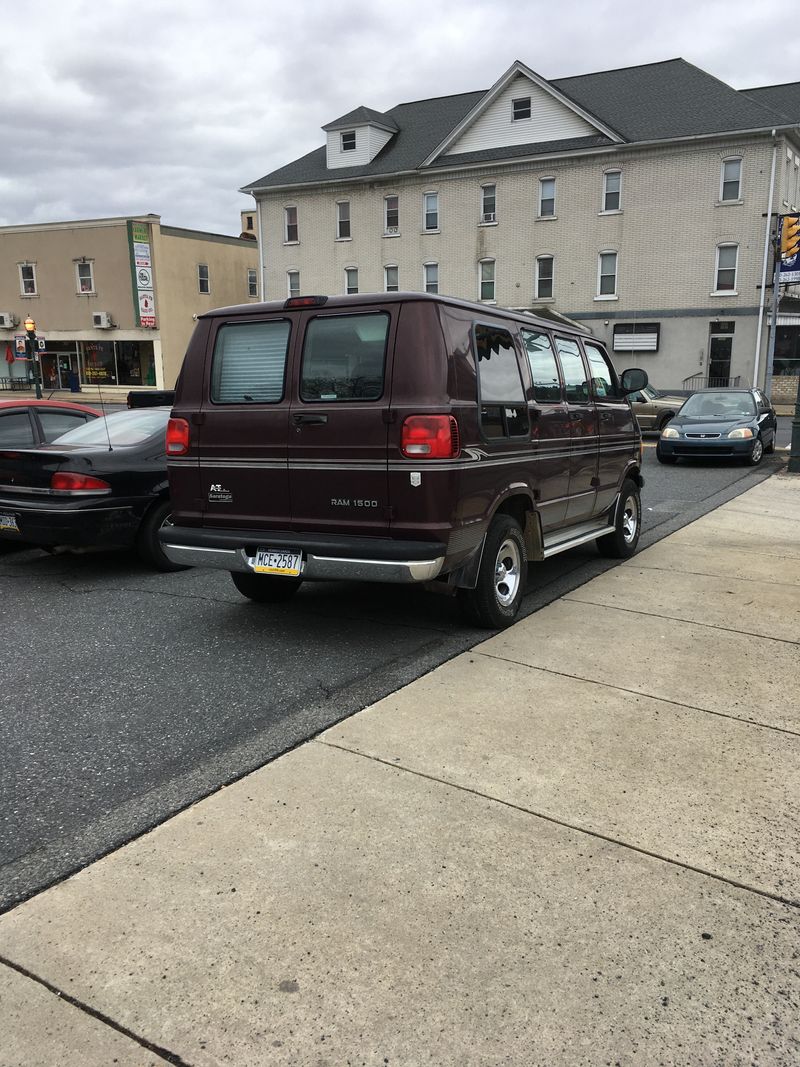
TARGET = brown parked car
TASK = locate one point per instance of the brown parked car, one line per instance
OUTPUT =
(654, 410)
(398, 437)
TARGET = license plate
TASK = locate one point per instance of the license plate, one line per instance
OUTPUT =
(277, 561)
(9, 522)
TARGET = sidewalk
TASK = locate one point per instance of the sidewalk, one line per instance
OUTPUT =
(577, 843)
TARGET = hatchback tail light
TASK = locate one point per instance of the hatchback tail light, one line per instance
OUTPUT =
(430, 437)
(177, 437)
(69, 482)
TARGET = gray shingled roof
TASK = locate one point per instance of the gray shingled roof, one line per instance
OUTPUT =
(359, 117)
(785, 99)
(656, 101)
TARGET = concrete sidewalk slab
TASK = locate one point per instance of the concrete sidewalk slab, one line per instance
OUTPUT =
(716, 794)
(331, 910)
(778, 495)
(706, 557)
(734, 674)
(731, 603)
(775, 536)
(40, 1029)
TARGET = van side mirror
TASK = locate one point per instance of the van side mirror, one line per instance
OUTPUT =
(632, 380)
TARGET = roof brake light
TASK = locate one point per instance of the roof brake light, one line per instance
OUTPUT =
(305, 302)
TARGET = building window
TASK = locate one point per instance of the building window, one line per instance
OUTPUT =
(544, 278)
(431, 208)
(203, 282)
(612, 188)
(27, 279)
(249, 222)
(343, 220)
(84, 276)
(351, 280)
(349, 141)
(636, 336)
(293, 282)
(607, 274)
(486, 279)
(547, 197)
(488, 203)
(391, 214)
(731, 179)
(391, 279)
(430, 275)
(291, 233)
(521, 108)
(727, 259)
(252, 281)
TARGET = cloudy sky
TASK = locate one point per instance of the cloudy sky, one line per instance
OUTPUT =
(168, 106)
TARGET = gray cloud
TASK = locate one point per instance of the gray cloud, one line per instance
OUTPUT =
(170, 107)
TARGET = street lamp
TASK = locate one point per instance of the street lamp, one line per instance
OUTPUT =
(33, 351)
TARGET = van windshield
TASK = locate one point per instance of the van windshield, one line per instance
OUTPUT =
(344, 357)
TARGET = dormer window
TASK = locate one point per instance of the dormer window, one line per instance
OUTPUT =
(349, 141)
(521, 108)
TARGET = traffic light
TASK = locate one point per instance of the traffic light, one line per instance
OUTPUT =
(790, 236)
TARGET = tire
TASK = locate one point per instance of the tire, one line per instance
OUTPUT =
(756, 453)
(671, 460)
(495, 600)
(265, 588)
(621, 544)
(147, 543)
(770, 448)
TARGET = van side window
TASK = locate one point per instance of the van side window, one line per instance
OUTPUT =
(575, 383)
(249, 362)
(604, 381)
(544, 371)
(344, 357)
(504, 412)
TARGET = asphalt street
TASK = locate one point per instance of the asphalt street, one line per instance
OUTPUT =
(128, 695)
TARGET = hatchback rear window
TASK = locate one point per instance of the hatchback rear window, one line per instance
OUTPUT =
(344, 357)
(250, 362)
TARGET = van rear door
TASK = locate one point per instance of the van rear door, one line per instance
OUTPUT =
(339, 421)
(244, 424)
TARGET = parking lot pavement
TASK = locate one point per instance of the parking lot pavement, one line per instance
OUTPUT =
(576, 843)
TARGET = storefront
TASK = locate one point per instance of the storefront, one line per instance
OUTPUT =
(786, 362)
(74, 364)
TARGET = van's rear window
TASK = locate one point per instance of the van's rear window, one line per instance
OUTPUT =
(250, 362)
(344, 357)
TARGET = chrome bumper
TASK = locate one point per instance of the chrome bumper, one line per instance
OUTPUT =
(314, 568)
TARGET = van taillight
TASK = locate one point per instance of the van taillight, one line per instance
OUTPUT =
(68, 482)
(430, 437)
(177, 437)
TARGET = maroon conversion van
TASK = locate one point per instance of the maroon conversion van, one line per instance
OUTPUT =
(398, 437)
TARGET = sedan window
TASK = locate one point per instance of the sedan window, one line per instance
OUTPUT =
(15, 430)
(121, 428)
(720, 405)
(55, 423)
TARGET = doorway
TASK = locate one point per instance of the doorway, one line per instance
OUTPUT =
(719, 362)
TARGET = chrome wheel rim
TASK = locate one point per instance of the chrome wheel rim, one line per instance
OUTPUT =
(507, 572)
(167, 522)
(630, 519)
(758, 448)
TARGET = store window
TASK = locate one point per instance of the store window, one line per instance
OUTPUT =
(118, 363)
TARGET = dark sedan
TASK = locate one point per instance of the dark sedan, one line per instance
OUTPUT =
(103, 484)
(720, 423)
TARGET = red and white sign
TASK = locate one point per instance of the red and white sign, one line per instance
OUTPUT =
(147, 307)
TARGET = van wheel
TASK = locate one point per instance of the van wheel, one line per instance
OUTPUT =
(627, 526)
(265, 588)
(147, 543)
(495, 600)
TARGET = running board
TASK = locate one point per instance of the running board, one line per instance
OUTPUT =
(563, 540)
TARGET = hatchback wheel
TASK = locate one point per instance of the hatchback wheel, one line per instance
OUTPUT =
(627, 524)
(756, 453)
(265, 588)
(495, 600)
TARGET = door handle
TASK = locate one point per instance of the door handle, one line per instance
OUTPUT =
(310, 420)
(605, 416)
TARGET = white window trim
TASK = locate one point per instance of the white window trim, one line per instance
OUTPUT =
(552, 258)
(613, 210)
(388, 267)
(723, 161)
(438, 229)
(83, 263)
(522, 118)
(615, 294)
(254, 272)
(483, 220)
(386, 232)
(546, 178)
(22, 293)
(292, 270)
(726, 292)
(492, 299)
(342, 148)
(351, 266)
(286, 240)
(338, 220)
(430, 263)
(204, 292)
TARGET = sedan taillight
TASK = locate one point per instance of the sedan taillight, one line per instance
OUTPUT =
(177, 437)
(69, 482)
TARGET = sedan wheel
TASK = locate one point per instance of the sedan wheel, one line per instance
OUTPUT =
(756, 453)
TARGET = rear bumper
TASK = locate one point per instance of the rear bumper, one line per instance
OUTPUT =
(72, 523)
(365, 559)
